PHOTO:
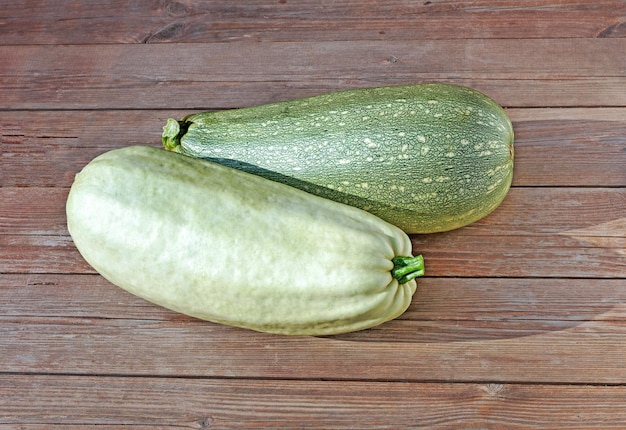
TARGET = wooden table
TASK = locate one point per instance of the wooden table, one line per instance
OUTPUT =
(521, 320)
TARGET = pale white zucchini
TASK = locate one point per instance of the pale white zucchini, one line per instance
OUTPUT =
(234, 248)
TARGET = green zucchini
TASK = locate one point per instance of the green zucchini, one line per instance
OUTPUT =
(427, 157)
(234, 248)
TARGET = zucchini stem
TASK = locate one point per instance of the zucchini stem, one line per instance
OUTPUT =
(407, 268)
(171, 134)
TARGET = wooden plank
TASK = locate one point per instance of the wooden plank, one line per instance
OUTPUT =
(554, 256)
(34, 211)
(41, 211)
(508, 299)
(537, 211)
(587, 353)
(553, 147)
(573, 152)
(448, 255)
(543, 73)
(47, 148)
(40, 254)
(520, 322)
(31, 401)
(509, 242)
(567, 114)
(443, 309)
(43, 22)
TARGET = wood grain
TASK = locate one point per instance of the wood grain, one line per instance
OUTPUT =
(200, 403)
(573, 72)
(510, 242)
(520, 322)
(549, 255)
(89, 346)
(213, 21)
(41, 211)
(48, 148)
(443, 308)
(593, 206)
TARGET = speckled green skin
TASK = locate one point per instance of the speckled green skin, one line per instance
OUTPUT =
(226, 246)
(427, 158)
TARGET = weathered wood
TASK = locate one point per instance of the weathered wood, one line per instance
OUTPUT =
(521, 319)
(534, 233)
(43, 22)
(31, 401)
(450, 255)
(570, 150)
(536, 211)
(522, 256)
(542, 73)
(40, 254)
(34, 211)
(583, 146)
(563, 211)
(188, 348)
(443, 309)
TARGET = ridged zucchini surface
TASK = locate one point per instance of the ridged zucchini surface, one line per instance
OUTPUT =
(234, 248)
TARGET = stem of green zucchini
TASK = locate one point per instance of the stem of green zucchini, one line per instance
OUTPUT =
(407, 268)
(171, 134)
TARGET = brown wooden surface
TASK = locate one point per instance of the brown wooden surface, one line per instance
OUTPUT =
(521, 320)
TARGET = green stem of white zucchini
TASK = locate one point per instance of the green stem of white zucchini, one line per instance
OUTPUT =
(407, 268)
(171, 134)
